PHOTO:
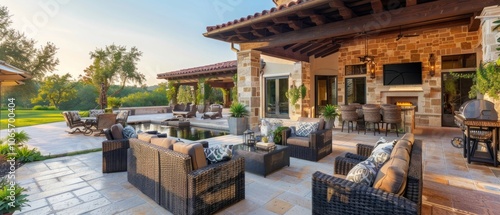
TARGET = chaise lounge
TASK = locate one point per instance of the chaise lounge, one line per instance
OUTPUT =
(189, 112)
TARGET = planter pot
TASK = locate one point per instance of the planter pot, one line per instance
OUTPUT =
(237, 125)
(330, 123)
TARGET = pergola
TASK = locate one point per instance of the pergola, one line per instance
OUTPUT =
(219, 75)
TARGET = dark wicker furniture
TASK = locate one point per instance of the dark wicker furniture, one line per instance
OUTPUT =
(188, 113)
(332, 195)
(263, 162)
(167, 177)
(349, 115)
(371, 114)
(114, 153)
(313, 148)
(73, 120)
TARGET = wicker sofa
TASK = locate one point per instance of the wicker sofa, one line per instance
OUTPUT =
(314, 147)
(167, 177)
(334, 195)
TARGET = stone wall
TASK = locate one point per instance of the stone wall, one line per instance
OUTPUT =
(386, 50)
(301, 74)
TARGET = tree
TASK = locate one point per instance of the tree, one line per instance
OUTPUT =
(113, 64)
(56, 89)
(18, 50)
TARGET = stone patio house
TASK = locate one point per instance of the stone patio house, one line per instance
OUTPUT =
(355, 51)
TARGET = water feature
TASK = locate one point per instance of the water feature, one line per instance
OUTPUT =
(188, 133)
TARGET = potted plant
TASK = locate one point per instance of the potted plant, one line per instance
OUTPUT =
(329, 113)
(114, 102)
(277, 134)
(237, 121)
(12, 197)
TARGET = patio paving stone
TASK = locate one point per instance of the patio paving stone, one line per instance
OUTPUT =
(76, 184)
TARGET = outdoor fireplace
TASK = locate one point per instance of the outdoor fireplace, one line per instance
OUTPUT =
(403, 101)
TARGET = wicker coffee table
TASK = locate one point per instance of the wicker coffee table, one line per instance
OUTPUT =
(263, 162)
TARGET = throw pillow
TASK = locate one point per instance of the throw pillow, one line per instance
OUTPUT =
(382, 153)
(305, 128)
(364, 172)
(129, 132)
(217, 154)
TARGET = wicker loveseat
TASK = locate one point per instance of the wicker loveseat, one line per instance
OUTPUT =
(167, 177)
(334, 195)
(314, 147)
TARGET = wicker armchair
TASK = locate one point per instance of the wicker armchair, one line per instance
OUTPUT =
(313, 148)
(349, 114)
(188, 113)
(333, 195)
(73, 120)
(180, 189)
(114, 152)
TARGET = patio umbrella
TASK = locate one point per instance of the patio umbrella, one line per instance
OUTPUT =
(11, 76)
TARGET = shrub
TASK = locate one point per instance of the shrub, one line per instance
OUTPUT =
(4, 149)
(24, 154)
(19, 199)
(114, 102)
(20, 137)
(40, 107)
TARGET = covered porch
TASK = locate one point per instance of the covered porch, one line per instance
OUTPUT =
(351, 44)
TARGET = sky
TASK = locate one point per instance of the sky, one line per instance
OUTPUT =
(169, 33)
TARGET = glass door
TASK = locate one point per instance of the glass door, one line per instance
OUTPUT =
(455, 93)
(326, 92)
(276, 102)
(355, 90)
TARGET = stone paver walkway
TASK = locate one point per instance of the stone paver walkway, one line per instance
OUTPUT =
(75, 184)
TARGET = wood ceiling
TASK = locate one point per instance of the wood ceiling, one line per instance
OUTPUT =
(318, 27)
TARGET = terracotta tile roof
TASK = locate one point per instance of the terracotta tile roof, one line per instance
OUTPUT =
(223, 66)
(264, 12)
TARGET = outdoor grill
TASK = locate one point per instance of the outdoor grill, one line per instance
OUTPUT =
(475, 118)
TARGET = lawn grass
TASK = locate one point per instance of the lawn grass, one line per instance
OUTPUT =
(30, 117)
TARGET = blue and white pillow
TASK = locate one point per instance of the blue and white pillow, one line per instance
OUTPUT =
(382, 151)
(305, 128)
(364, 172)
(217, 154)
(129, 132)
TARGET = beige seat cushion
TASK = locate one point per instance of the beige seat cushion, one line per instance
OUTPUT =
(321, 121)
(392, 176)
(410, 137)
(404, 144)
(195, 150)
(145, 137)
(298, 141)
(117, 131)
(165, 142)
(400, 153)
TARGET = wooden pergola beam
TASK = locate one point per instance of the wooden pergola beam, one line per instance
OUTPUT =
(344, 11)
(377, 6)
(426, 13)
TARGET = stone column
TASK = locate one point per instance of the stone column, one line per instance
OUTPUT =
(489, 40)
(301, 74)
(248, 84)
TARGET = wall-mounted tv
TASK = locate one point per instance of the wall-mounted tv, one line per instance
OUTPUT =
(403, 73)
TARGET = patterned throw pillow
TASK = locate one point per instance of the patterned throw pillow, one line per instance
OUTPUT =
(75, 116)
(364, 172)
(217, 154)
(129, 132)
(305, 128)
(382, 151)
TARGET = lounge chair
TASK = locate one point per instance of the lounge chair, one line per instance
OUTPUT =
(103, 121)
(214, 112)
(73, 120)
(187, 113)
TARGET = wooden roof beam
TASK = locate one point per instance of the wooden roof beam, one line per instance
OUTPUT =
(318, 20)
(411, 3)
(320, 50)
(280, 53)
(316, 46)
(420, 14)
(344, 11)
(257, 34)
(273, 30)
(303, 45)
(377, 6)
(281, 20)
(295, 25)
(333, 51)
(260, 25)
(474, 23)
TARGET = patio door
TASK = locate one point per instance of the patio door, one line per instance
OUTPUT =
(355, 90)
(455, 93)
(326, 92)
(276, 102)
